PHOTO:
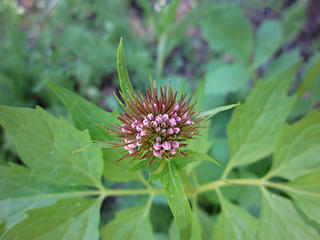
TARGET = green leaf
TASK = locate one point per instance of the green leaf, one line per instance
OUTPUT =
(130, 224)
(214, 111)
(227, 79)
(177, 200)
(74, 218)
(22, 190)
(125, 84)
(227, 29)
(293, 20)
(280, 221)
(196, 229)
(298, 148)
(305, 192)
(206, 224)
(234, 223)
(88, 116)
(282, 63)
(268, 40)
(256, 124)
(46, 145)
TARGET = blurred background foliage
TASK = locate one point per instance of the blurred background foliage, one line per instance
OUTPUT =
(230, 44)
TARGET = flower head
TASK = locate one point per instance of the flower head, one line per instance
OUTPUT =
(156, 124)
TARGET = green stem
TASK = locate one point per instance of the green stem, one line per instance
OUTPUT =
(227, 170)
(161, 54)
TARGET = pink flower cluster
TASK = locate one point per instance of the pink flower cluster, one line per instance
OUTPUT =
(160, 147)
(164, 126)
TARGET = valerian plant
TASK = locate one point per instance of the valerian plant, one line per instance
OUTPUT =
(57, 193)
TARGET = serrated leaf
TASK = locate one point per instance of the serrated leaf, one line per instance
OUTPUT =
(130, 224)
(234, 223)
(256, 124)
(305, 192)
(227, 79)
(280, 221)
(22, 190)
(268, 40)
(298, 148)
(177, 200)
(46, 145)
(210, 113)
(73, 218)
(125, 84)
(227, 29)
(88, 116)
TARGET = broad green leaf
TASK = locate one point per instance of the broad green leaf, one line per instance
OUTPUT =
(177, 200)
(73, 218)
(234, 223)
(227, 79)
(293, 20)
(268, 40)
(130, 224)
(305, 192)
(22, 190)
(46, 145)
(196, 229)
(256, 124)
(125, 84)
(280, 221)
(88, 116)
(85, 114)
(206, 223)
(282, 63)
(298, 148)
(214, 111)
(227, 29)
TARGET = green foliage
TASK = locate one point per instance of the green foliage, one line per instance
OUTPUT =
(251, 174)
(177, 200)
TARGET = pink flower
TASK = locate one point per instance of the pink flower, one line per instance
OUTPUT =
(170, 131)
(157, 146)
(156, 153)
(165, 117)
(175, 144)
(173, 151)
(176, 130)
(150, 116)
(172, 122)
(166, 145)
(176, 107)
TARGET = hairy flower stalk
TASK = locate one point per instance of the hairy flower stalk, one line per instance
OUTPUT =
(156, 125)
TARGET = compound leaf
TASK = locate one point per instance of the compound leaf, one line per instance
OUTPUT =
(256, 124)
(46, 145)
(234, 223)
(305, 192)
(73, 218)
(130, 224)
(298, 148)
(88, 116)
(280, 221)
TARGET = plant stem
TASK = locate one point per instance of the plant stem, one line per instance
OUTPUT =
(161, 54)
(227, 170)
